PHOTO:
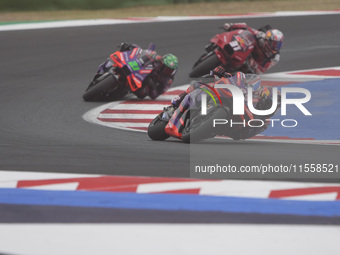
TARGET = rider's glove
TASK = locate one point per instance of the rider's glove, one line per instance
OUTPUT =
(227, 26)
(220, 72)
(152, 55)
(260, 37)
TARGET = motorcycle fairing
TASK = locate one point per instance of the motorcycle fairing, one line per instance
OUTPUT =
(132, 66)
(240, 41)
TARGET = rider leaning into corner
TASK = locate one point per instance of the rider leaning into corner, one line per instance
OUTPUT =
(180, 103)
(165, 68)
(266, 53)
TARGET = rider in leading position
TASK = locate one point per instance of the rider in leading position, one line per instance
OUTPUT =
(175, 125)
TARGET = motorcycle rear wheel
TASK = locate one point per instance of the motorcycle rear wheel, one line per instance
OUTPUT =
(156, 129)
(205, 66)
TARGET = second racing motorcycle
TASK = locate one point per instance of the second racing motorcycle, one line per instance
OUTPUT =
(231, 49)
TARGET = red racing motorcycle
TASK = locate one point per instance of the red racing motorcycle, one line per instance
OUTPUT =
(230, 49)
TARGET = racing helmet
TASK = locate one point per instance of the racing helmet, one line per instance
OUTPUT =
(274, 41)
(170, 65)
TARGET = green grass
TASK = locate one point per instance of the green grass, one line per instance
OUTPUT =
(206, 8)
(34, 5)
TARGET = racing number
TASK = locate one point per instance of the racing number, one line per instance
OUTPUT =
(134, 65)
(235, 45)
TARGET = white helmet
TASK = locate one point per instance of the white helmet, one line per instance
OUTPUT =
(274, 40)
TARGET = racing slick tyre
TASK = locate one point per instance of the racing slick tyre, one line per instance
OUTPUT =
(156, 129)
(102, 88)
(201, 126)
(204, 67)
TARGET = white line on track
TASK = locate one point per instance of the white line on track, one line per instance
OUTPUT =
(100, 22)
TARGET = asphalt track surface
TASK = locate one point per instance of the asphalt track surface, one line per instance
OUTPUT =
(45, 72)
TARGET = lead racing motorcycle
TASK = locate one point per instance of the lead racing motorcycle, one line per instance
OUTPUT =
(190, 123)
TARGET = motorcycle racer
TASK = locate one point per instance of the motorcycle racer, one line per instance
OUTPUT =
(266, 54)
(182, 102)
(161, 78)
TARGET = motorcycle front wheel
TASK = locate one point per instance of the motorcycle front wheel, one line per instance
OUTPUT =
(204, 67)
(156, 129)
(105, 88)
